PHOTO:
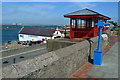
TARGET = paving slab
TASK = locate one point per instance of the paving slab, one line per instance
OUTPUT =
(109, 67)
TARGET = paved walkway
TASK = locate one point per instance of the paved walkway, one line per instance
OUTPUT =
(109, 67)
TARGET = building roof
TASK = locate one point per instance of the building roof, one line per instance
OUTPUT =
(84, 12)
(37, 31)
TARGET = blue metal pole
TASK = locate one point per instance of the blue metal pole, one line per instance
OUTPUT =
(99, 38)
(99, 53)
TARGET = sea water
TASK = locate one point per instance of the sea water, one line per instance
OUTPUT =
(10, 32)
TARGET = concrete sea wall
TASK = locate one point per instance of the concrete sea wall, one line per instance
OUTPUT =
(60, 63)
(55, 44)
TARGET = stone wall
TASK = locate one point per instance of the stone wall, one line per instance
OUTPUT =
(55, 44)
(60, 63)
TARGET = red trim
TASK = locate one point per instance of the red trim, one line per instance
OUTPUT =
(82, 16)
(104, 17)
(71, 32)
(85, 16)
(86, 23)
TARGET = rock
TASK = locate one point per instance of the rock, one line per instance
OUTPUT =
(105, 37)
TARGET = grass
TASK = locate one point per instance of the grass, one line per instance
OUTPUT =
(78, 38)
(118, 31)
(67, 34)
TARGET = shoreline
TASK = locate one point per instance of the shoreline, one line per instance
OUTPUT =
(35, 25)
(12, 31)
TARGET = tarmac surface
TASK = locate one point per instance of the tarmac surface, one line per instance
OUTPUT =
(109, 68)
(15, 56)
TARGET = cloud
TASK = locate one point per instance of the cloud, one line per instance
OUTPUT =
(85, 4)
(60, 0)
(93, 0)
(26, 12)
(29, 9)
(0, 13)
(41, 9)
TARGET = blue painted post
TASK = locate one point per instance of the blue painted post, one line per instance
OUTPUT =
(98, 53)
(100, 38)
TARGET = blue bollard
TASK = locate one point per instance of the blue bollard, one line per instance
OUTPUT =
(99, 53)
(98, 57)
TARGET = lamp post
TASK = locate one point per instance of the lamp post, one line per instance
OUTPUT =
(98, 53)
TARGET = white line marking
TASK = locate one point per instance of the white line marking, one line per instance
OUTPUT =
(22, 53)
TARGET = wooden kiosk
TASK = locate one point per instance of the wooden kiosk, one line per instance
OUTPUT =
(82, 23)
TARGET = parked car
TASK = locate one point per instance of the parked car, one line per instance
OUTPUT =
(34, 42)
(118, 26)
(114, 27)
